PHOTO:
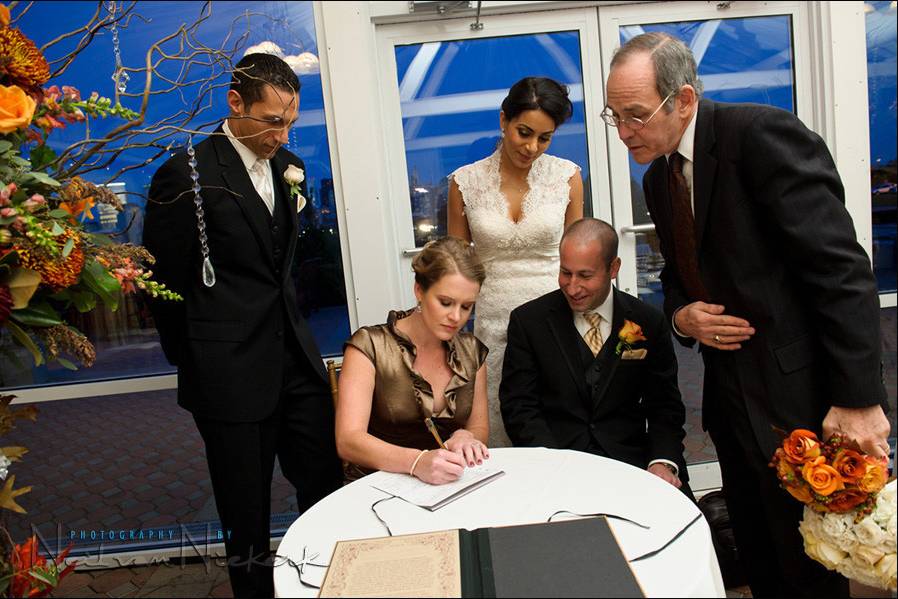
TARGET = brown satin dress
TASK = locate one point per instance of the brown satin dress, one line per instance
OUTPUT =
(403, 398)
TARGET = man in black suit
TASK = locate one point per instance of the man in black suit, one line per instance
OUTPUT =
(763, 269)
(248, 367)
(568, 383)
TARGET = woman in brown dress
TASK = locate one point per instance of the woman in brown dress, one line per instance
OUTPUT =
(419, 365)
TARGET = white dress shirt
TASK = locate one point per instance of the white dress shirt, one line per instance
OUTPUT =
(259, 169)
(606, 311)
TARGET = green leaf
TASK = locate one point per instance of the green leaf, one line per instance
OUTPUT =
(41, 156)
(84, 301)
(69, 246)
(5, 146)
(66, 364)
(44, 178)
(98, 280)
(57, 230)
(59, 213)
(100, 239)
(26, 341)
(37, 315)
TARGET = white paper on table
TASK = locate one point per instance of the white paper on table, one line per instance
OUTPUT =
(432, 497)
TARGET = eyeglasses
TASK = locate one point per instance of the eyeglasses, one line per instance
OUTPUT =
(631, 122)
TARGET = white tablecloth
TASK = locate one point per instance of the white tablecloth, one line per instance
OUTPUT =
(537, 483)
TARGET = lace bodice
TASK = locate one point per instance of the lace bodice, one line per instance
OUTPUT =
(521, 258)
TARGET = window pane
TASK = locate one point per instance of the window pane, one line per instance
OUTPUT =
(126, 340)
(881, 87)
(451, 93)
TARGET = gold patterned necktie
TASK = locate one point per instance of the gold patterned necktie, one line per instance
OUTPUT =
(593, 336)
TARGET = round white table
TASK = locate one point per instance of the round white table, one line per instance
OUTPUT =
(537, 483)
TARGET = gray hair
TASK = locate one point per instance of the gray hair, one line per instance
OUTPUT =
(673, 61)
(589, 229)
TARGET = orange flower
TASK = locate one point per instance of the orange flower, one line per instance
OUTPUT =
(801, 492)
(57, 273)
(77, 207)
(785, 470)
(630, 333)
(4, 15)
(21, 63)
(875, 476)
(801, 446)
(850, 465)
(845, 500)
(824, 479)
(16, 108)
(31, 570)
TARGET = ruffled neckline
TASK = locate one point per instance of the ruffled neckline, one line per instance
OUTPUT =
(423, 388)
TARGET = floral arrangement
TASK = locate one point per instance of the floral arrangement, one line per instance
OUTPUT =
(849, 516)
(48, 263)
(629, 334)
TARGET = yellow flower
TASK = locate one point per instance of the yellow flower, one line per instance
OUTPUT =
(16, 108)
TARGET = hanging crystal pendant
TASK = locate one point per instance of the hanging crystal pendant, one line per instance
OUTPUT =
(119, 75)
(208, 273)
(208, 270)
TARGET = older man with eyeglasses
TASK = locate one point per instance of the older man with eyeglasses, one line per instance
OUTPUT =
(763, 270)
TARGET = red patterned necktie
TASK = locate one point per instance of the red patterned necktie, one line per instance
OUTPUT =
(684, 230)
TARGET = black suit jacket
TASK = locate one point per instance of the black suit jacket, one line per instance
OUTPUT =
(634, 412)
(776, 246)
(228, 341)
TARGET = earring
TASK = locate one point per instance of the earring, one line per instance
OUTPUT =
(503, 133)
(418, 308)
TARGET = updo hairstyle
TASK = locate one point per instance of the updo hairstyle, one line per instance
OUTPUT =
(447, 256)
(538, 93)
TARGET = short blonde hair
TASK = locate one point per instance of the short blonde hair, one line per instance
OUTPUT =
(446, 256)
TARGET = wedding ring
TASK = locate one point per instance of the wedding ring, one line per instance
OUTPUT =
(717, 338)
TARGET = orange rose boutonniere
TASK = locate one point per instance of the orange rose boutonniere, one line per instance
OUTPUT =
(629, 334)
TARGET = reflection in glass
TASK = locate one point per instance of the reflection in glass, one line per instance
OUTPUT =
(126, 341)
(739, 60)
(451, 93)
(881, 87)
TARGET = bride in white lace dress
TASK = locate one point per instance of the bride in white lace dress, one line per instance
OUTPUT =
(514, 206)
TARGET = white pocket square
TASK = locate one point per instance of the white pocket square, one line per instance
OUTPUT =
(634, 354)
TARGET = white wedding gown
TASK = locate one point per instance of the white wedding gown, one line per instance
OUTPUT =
(521, 258)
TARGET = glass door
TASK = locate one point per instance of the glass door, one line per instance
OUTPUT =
(756, 53)
(443, 84)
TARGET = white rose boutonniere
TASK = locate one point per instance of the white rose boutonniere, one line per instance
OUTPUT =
(294, 176)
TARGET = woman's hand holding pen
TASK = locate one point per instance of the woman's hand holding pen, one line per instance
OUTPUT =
(463, 443)
(439, 466)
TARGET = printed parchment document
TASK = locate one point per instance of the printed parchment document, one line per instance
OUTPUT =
(422, 565)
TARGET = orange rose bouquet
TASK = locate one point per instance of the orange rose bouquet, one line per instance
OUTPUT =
(849, 517)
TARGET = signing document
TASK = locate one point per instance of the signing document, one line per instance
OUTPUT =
(432, 497)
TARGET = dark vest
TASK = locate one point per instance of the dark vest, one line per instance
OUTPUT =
(593, 370)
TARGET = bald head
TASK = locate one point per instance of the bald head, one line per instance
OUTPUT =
(588, 230)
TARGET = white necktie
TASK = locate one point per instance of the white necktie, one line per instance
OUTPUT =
(262, 184)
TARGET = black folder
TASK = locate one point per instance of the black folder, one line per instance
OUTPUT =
(571, 558)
